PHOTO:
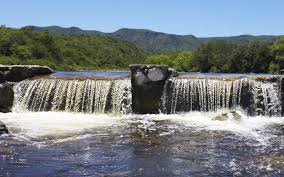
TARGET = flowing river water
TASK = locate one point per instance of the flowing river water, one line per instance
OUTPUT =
(84, 127)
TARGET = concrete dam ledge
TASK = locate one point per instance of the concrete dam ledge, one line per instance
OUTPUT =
(152, 89)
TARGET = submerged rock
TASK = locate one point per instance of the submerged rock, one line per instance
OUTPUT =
(16, 73)
(221, 117)
(231, 115)
(6, 97)
(3, 128)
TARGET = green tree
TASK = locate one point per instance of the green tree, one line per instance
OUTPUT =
(274, 68)
(278, 50)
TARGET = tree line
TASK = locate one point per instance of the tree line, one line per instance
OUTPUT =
(24, 46)
(69, 52)
(218, 56)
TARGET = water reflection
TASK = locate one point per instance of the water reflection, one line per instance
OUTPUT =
(136, 145)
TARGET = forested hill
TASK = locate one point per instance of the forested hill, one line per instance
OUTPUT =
(77, 51)
(24, 46)
(152, 41)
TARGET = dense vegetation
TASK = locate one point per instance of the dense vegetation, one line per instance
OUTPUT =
(25, 46)
(88, 52)
(156, 42)
(219, 56)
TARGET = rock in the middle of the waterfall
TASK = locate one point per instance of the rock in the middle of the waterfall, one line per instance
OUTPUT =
(148, 82)
(155, 74)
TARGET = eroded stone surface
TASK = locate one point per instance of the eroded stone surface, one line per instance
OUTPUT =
(156, 74)
(148, 82)
(140, 78)
(16, 73)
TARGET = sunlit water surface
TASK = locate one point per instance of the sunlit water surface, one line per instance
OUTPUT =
(190, 144)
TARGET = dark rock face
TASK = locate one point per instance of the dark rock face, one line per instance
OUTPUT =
(2, 77)
(6, 97)
(173, 72)
(148, 82)
(247, 102)
(16, 73)
(3, 128)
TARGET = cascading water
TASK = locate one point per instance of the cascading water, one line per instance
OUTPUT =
(257, 97)
(89, 96)
(57, 117)
(267, 98)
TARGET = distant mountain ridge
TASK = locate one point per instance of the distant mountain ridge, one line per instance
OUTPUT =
(152, 41)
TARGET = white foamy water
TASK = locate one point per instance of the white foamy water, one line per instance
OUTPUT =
(62, 126)
(54, 124)
(184, 95)
(249, 127)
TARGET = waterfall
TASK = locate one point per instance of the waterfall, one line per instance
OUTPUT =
(198, 94)
(255, 96)
(89, 96)
(267, 97)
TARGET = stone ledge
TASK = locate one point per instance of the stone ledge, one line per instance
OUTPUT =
(16, 73)
(10, 74)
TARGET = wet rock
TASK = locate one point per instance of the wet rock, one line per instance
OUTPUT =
(236, 115)
(221, 117)
(6, 97)
(140, 78)
(173, 72)
(148, 82)
(3, 128)
(2, 77)
(4, 68)
(232, 115)
(156, 74)
(16, 73)
(247, 101)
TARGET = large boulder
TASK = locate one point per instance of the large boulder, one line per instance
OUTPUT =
(16, 73)
(6, 97)
(3, 128)
(148, 82)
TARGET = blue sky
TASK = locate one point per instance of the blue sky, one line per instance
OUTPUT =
(198, 17)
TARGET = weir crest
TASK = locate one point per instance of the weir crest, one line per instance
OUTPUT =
(150, 89)
(89, 96)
